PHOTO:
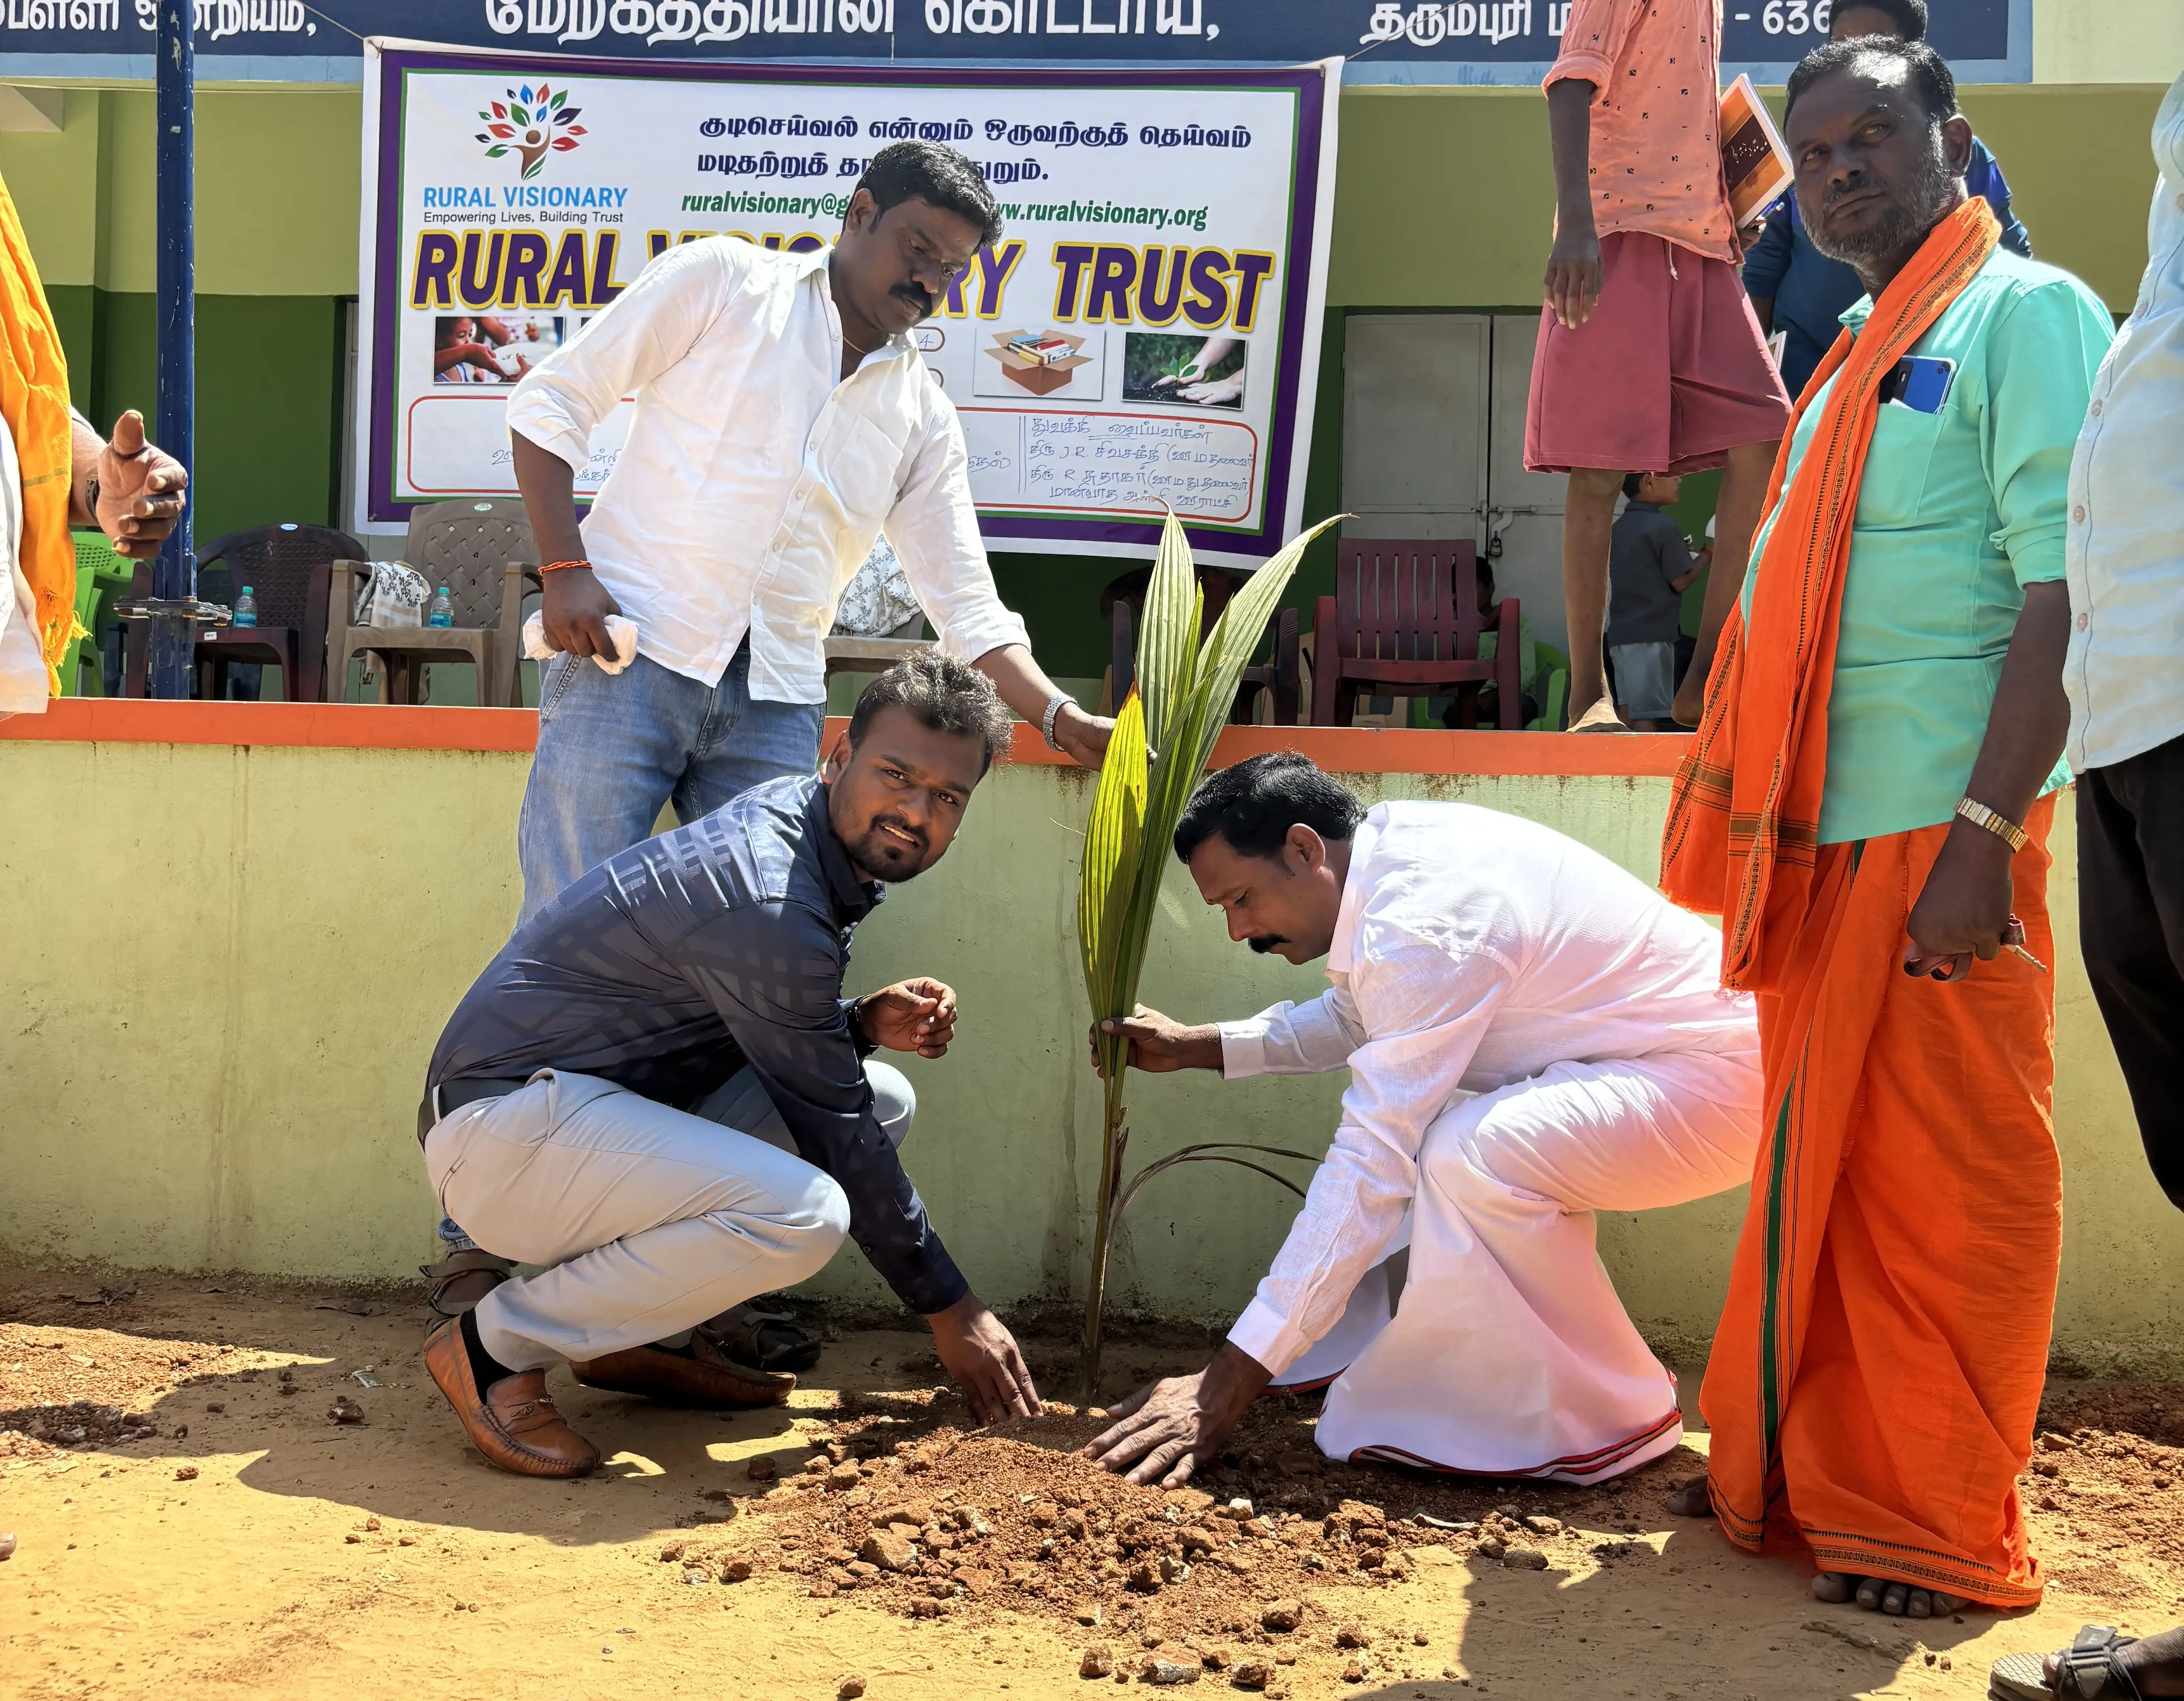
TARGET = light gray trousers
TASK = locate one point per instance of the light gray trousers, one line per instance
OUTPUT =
(649, 1220)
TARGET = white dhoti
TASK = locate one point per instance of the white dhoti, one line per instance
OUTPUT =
(1509, 1353)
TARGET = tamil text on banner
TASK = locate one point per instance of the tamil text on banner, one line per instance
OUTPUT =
(1387, 40)
(1144, 335)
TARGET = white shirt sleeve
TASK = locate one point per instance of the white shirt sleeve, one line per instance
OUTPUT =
(1307, 1039)
(649, 327)
(1426, 1007)
(935, 530)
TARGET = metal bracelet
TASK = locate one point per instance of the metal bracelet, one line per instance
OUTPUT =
(1054, 705)
(1994, 822)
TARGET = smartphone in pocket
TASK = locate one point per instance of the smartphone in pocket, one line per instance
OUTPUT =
(1920, 382)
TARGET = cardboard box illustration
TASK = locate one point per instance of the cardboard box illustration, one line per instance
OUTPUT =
(1040, 362)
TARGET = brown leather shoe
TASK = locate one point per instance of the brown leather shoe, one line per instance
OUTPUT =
(702, 1376)
(513, 1422)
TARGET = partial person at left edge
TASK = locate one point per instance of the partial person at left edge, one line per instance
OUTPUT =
(57, 471)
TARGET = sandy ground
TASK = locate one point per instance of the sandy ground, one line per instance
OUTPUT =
(242, 1542)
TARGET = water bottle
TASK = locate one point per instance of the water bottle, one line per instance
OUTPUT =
(246, 608)
(442, 612)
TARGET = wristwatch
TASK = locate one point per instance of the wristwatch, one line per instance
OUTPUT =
(2000, 825)
(1054, 705)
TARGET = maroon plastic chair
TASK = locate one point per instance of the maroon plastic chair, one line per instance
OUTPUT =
(288, 569)
(1123, 603)
(1404, 621)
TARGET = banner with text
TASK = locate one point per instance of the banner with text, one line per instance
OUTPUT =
(1144, 335)
(1386, 41)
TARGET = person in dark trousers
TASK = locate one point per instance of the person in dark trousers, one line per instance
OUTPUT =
(2123, 557)
(1649, 568)
(1797, 289)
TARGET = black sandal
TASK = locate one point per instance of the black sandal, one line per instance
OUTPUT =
(2086, 1671)
(769, 1340)
(470, 1261)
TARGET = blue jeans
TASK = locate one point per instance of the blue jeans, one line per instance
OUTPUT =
(612, 750)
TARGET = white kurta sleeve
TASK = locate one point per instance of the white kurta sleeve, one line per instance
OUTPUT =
(646, 329)
(1307, 1039)
(935, 530)
(1425, 1005)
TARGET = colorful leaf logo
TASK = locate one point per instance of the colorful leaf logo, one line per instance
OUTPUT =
(530, 123)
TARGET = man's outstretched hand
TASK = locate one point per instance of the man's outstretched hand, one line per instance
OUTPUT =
(917, 1015)
(980, 1355)
(1083, 736)
(1170, 1428)
(1159, 1044)
(139, 490)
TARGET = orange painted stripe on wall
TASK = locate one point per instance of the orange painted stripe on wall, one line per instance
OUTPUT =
(372, 727)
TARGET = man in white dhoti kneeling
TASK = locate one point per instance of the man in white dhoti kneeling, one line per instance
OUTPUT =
(1533, 1035)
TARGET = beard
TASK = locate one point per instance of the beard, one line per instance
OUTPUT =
(1924, 198)
(881, 856)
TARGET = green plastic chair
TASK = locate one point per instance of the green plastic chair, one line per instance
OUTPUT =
(1554, 701)
(101, 577)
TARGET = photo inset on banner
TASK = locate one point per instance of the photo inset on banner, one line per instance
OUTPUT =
(1050, 365)
(1188, 372)
(491, 348)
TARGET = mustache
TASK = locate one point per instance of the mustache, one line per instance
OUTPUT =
(915, 294)
(1263, 943)
(1857, 186)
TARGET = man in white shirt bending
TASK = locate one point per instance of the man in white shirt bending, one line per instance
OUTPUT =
(1533, 1035)
(783, 419)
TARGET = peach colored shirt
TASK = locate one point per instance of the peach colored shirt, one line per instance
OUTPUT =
(1655, 158)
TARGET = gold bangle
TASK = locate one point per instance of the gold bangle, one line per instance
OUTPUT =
(2001, 826)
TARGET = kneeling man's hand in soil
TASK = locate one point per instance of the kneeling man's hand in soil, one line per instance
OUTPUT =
(1170, 1428)
(980, 1355)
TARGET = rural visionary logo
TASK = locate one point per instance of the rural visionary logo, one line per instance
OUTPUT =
(532, 123)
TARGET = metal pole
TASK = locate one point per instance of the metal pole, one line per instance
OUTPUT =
(174, 575)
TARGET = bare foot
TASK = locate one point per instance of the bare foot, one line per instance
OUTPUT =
(2154, 1664)
(1879, 1594)
(1691, 1500)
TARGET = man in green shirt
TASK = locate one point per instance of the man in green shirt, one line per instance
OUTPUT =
(1866, 807)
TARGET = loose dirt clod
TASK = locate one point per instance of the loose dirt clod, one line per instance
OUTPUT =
(850, 1687)
(186, 1473)
(763, 1469)
(344, 1410)
(1172, 1663)
(7, 1544)
(1099, 1661)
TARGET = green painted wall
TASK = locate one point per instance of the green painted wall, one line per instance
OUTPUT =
(229, 1080)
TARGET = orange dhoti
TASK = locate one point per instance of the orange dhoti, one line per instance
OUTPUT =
(1877, 1370)
(1876, 1373)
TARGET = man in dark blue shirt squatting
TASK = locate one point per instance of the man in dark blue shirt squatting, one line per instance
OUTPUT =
(1797, 289)
(657, 1091)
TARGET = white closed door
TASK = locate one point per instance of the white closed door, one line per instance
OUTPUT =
(1433, 446)
(1414, 424)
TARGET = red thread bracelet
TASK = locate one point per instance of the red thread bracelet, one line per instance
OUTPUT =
(556, 566)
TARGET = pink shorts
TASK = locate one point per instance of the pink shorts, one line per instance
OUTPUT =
(1668, 374)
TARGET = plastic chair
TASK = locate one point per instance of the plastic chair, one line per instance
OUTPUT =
(287, 568)
(1554, 697)
(1404, 619)
(1123, 603)
(483, 553)
(101, 577)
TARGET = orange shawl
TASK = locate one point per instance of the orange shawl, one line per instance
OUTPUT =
(1744, 820)
(34, 400)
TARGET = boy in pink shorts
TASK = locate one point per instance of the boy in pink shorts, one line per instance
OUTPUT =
(1649, 357)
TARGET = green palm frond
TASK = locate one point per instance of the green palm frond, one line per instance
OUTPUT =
(1163, 739)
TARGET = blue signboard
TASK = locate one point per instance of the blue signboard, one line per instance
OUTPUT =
(1386, 41)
